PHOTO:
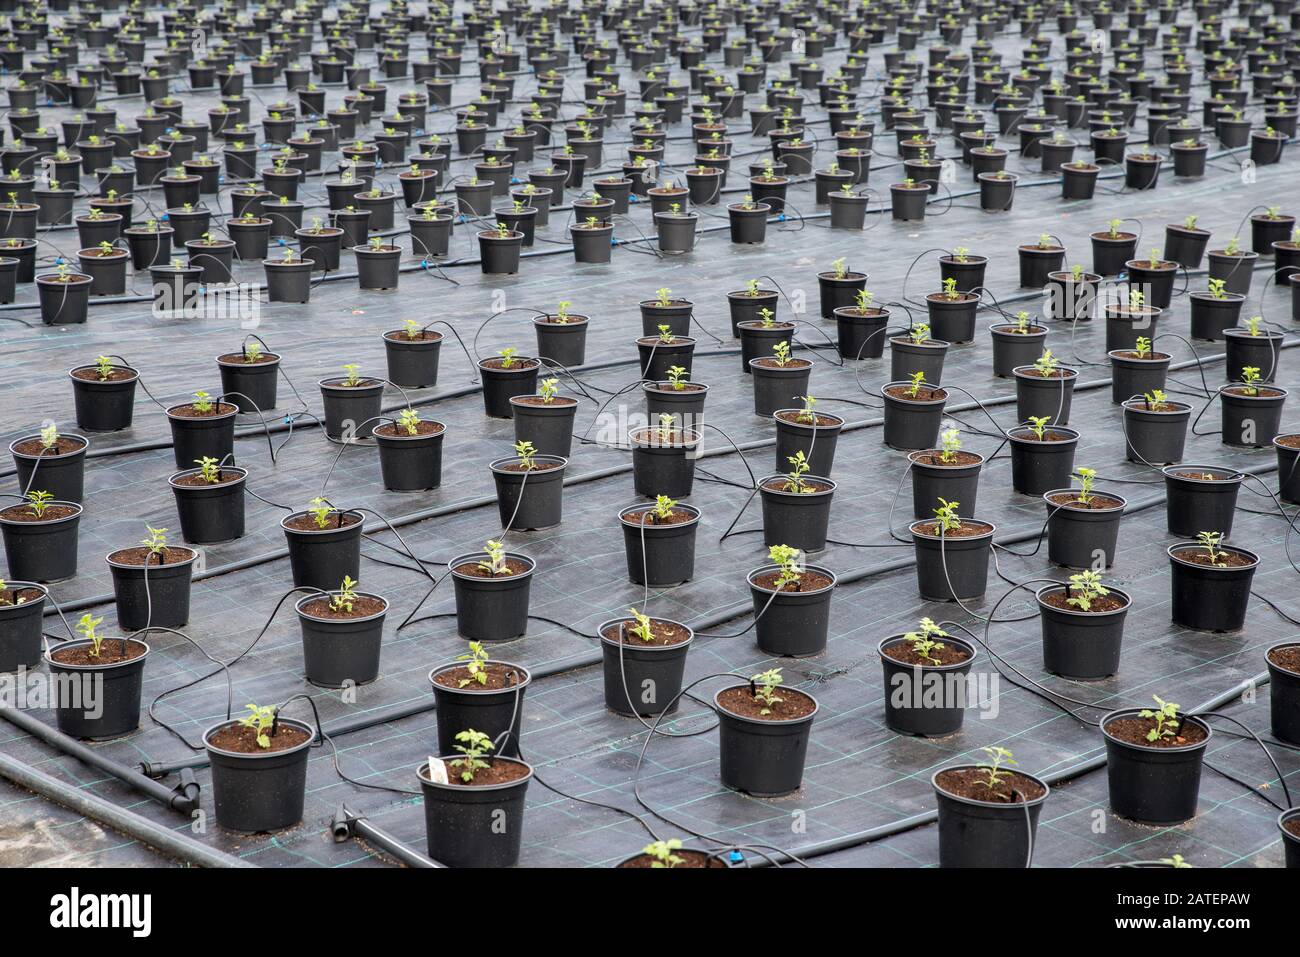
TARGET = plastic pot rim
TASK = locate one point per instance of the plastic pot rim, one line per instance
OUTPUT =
(1235, 477)
(761, 569)
(622, 512)
(1128, 603)
(328, 593)
(1244, 552)
(610, 642)
(468, 557)
(469, 689)
(171, 479)
(783, 722)
(85, 445)
(52, 521)
(966, 538)
(48, 656)
(323, 531)
(960, 799)
(1133, 713)
(260, 755)
(422, 776)
(967, 646)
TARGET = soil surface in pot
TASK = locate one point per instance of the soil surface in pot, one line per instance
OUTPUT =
(669, 388)
(242, 358)
(1096, 502)
(1010, 788)
(498, 678)
(572, 320)
(661, 437)
(923, 394)
(767, 363)
(791, 704)
(1290, 441)
(91, 374)
(243, 740)
(1104, 603)
(139, 555)
(1053, 374)
(809, 581)
(189, 412)
(967, 529)
(63, 446)
(196, 480)
(1143, 406)
(904, 653)
(869, 312)
(1290, 825)
(674, 341)
(648, 516)
(779, 484)
(1148, 357)
(496, 772)
(1257, 393)
(392, 429)
(1048, 437)
(535, 467)
(1205, 476)
(696, 859)
(539, 401)
(514, 567)
(363, 606)
(1015, 330)
(1286, 658)
(307, 523)
(111, 652)
(793, 417)
(516, 365)
(663, 633)
(24, 513)
(17, 596)
(935, 457)
(424, 335)
(1134, 731)
(944, 297)
(1200, 556)
(750, 324)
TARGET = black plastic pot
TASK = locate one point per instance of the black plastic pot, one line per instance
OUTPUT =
(911, 689)
(321, 558)
(563, 343)
(533, 499)
(341, 652)
(1288, 470)
(1077, 182)
(1038, 395)
(1013, 349)
(659, 555)
(797, 519)
(793, 624)
(1154, 436)
(839, 291)
(1083, 646)
(986, 833)
(42, 551)
(1194, 504)
(955, 483)
(351, 411)
(907, 357)
(491, 609)
(378, 267)
(662, 466)
(1131, 376)
(748, 226)
(641, 679)
(412, 363)
(251, 386)
(1283, 697)
(410, 463)
(952, 320)
(20, 626)
(1291, 843)
(1153, 785)
(1263, 352)
(1079, 537)
(816, 441)
(549, 426)
(1236, 271)
(758, 341)
(1038, 467)
(1037, 263)
(474, 826)
(685, 405)
(152, 595)
(1210, 598)
(118, 697)
(861, 336)
(261, 791)
(1211, 316)
(1125, 325)
(493, 711)
(501, 385)
(196, 436)
(210, 513)
(763, 758)
(1186, 246)
(911, 424)
(951, 567)
(62, 474)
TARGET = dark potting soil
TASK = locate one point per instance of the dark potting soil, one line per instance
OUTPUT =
(967, 529)
(514, 565)
(539, 401)
(242, 740)
(111, 652)
(688, 859)
(17, 596)
(946, 653)
(1015, 330)
(793, 704)
(516, 365)
(778, 484)
(830, 275)
(768, 363)
(554, 320)
(1290, 441)
(363, 606)
(62, 446)
(1114, 237)
(241, 358)
(934, 457)
(1258, 393)
(421, 428)
(497, 772)
(679, 387)
(196, 479)
(1128, 312)
(1026, 435)
(1200, 556)
(91, 374)
(1060, 599)
(307, 523)
(1095, 503)
(542, 466)
(1053, 374)
(1134, 731)
(648, 516)
(944, 297)
(1149, 357)
(1204, 476)
(809, 581)
(674, 341)
(1042, 249)
(359, 384)
(189, 412)
(823, 421)
(1290, 825)
(661, 437)
(498, 678)
(1148, 264)
(923, 394)
(139, 555)
(863, 313)
(1140, 405)
(760, 325)
(1287, 658)
(401, 335)
(663, 633)
(1010, 788)
(24, 513)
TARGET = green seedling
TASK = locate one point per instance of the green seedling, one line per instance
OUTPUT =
(87, 626)
(781, 352)
(1166, 717)
(548, 388)
(156, 542)
(1210, 542)
(950, 444)
(1250, 378)
(475, 663)
(799, 467)
(508, 357)
(806, 415)
(992, 768)
(1083, 589)
(496, 563)
(640, 625)
(476, 744)
(789, 561)
(209, 469)
(677, 376)
(662, 853)
(1046, 364)
(343, 599)
(260, 719)
(946, 518)
(320, 511)
(202, 403)
(925, 641)
(918, 380)
(1038, 425)
(1086, 477)
(408, 421)
(765, 684)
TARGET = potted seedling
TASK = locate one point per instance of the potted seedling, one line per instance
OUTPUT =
(52, 461)
(545, 419)
(410, 452)
(748, 220)
(530, 487)
(1155, 428)
(475, 689)
(1272, 229)
(644, 661)
(1137, 371)
(1288, 475)
(1044, 389)
(908, 199)
(562, 336)
(663, 457)
(951, 554)
(670, 854)
(1126, 321)
(412, 355)
(378, 264)
(1251, 412)
(666, 309)
(779, 379)
(1153, 762)
(1079, 179)
(1252, 345)
(251, 234)
(115, 667)
(202, 426)
(839, 286)
(324, 544)
(1189, 156)
(22, 606)
(151, 582)
(1016, 344)
(1199, 497)
(913, 412)
(860, 328)
(806, 430)
(763, 730)
(1210, 582)
(104, 394)
(1083, 524)
(796, 506)
(659, 541)
(64, 296)
(474, 803)
(259, 769)
(506, 375)
(749, 304)
(1083, 627)
(1234, 266)
(760, 335)
(592, 240)
(952, 312)
(916, 351)
(210, 502)
(925, 680)
(1283, 662)
(1039, 260)
(492, 590)
(1072, 294)
(352, 403)
(792, 603)
(1215, 310)
(249, 376)
(945, 472)
(1155, 276)
(677, 396)
(342, 634)
(1112, 248)
(988, 813)
(499, 249)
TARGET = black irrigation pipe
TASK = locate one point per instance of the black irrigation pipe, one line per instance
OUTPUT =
(348, 824)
